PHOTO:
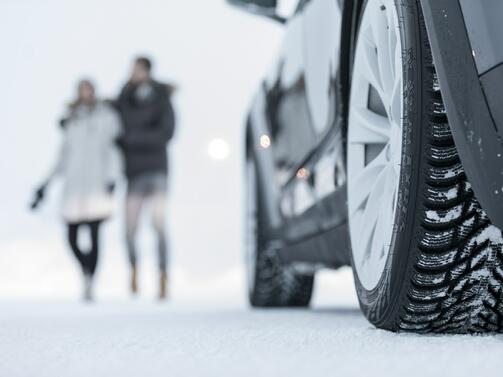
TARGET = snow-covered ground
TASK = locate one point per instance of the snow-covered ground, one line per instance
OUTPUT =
(149, 339)
(204, 46)
(207, 330)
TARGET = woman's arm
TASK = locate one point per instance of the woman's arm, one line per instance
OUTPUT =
(59, 166)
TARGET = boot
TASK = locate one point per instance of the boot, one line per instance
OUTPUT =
(88, 288)
(163, 289)
(134, 280)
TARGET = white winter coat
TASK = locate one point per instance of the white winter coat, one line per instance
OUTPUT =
(89, 161)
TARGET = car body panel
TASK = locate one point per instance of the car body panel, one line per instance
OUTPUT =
(485, 31)
(492, 85)
(476, 134)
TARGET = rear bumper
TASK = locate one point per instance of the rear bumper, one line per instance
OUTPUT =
(471, 78)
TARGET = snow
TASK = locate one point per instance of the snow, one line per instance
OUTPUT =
(149, 339)
(451, 193)
(206, 331)
(445, 217)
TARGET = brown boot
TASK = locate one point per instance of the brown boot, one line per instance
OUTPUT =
(163, 289)
(134, 281)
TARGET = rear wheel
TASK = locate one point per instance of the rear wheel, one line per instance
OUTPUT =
(426, 257)
(270, 283)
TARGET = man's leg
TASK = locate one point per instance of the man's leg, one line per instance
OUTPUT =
(134, 204)
(159, 223)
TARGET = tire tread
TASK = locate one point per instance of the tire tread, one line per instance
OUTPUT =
(457, 279)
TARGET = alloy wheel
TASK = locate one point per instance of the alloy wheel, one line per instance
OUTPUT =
(375, 139)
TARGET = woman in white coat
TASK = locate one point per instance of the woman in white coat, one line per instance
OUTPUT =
(89, 164)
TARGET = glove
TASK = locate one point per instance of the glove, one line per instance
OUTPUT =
(120, 142)
(111, 188)
(38, 197)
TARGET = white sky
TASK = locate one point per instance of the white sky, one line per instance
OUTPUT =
(214, 53)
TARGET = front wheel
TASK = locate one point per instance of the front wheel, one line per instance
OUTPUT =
(425, 256)
(270, 283)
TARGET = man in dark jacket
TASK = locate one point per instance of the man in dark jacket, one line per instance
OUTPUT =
(148, 119)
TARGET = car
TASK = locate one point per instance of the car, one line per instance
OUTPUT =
(375, 141)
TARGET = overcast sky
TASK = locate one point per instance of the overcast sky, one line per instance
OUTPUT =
(214, 53)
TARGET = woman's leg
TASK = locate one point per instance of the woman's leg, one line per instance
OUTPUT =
(73, 231)
(92, 256)
(85, 260)
(88, 261)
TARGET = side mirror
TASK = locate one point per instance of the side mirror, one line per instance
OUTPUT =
(266, 8)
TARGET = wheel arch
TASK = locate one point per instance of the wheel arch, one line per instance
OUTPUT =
(268, 193)
(349, 30)
(468, 101)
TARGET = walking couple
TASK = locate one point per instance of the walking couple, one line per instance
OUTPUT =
(101, 140)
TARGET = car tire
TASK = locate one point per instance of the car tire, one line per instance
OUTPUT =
(443, 270)
(270, 283)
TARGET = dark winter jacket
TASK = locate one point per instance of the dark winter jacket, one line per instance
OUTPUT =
(149, 124)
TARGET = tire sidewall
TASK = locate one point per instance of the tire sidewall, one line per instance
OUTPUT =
(380, 304)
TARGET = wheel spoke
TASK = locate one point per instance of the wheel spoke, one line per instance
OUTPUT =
(398, 60)
(371, 127)
(371, 65)
(364, 183)
(395, 103)
(393, 43)
(380, 33)
(371, 213)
